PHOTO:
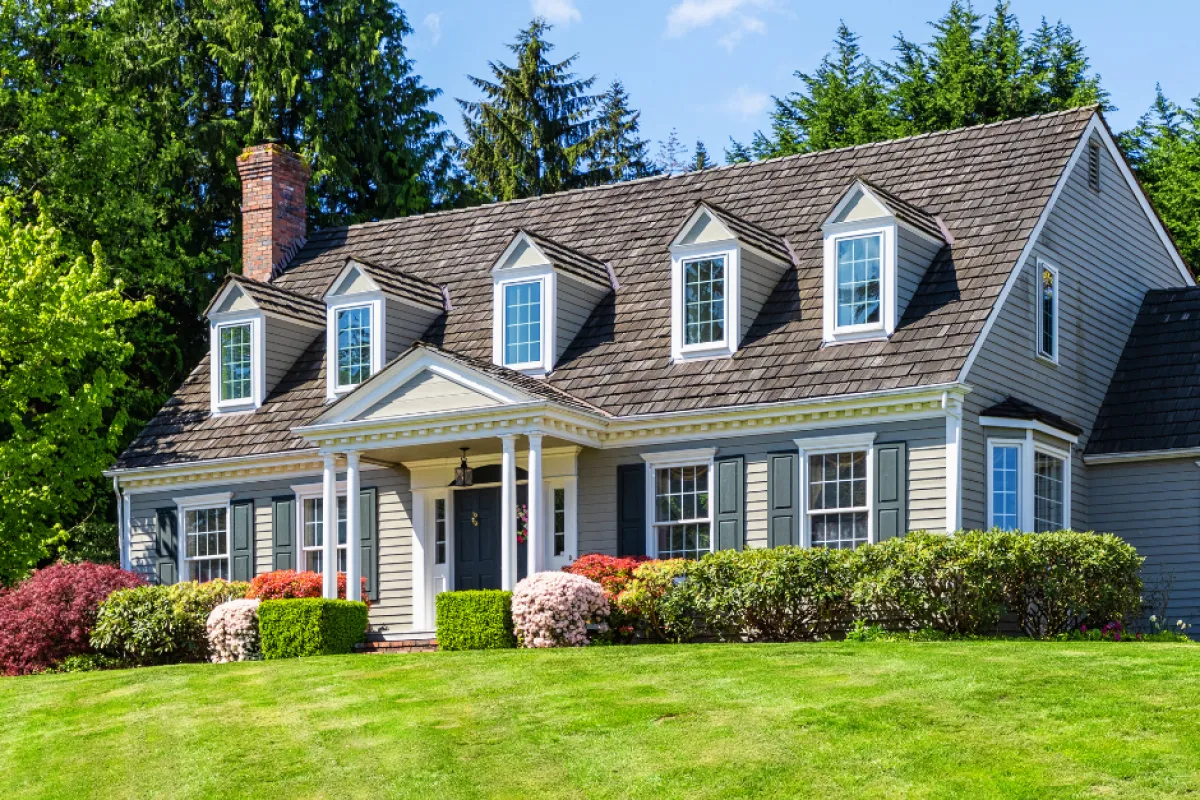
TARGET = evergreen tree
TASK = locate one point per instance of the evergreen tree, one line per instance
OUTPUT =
(618, 151)
(700, 158)
(737, 153)
(1164, 149)
(532, 132)
(672, 155)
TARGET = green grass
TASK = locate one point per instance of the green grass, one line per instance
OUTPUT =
(986, 719)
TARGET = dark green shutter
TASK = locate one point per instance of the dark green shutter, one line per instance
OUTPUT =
(783, 523)
(891, 490)
(283, 532)
(242, 540)
(631, 510)
(166, 546)
(369, 543)
(730, 510)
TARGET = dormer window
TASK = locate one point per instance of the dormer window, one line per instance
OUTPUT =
(723, 268)
(877, 248)
(543, 293)
(236, 362)
(353, 346)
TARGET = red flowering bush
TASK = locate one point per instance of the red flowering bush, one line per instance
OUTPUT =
(614, 575)
(50, 615)
(284, 584)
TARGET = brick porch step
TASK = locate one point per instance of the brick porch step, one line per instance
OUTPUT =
(398, 646)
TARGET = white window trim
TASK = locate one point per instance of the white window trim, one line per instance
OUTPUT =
(834, 232)
(821, 445)
(569, 485)
(727, 345)
(375, 302)
(202, 502)
(1025, 501)
(258, 373)
(698, 457)
(545, 275)
(1039, 265)
(313, 491)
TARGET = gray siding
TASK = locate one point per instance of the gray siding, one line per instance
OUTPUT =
(759, 278)
(392, 612)
(286, 342)
(405, 325)
(1155, 506)
(1108, 256)
(927, 471)
(575, 302)
(914, 254)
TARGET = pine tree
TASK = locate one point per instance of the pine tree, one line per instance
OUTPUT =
(737, 153)
(618, 151)
(672, 155)
(532, 132)
(700, 160)
(1059, 69)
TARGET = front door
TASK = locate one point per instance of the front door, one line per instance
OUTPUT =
(477, 538)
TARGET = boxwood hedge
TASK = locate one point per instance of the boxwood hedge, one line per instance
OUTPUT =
(310, 626)
(475, 620)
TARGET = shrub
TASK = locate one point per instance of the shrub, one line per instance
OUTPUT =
(283, 584)
(50, 616)
(614, 575)
(88, 662)
(656, 599)
(310, 626)
(553, 609)
(781, 595)
(1056, 582)
(952, 584)
(475, 620)
(161, 624)
(233, 632)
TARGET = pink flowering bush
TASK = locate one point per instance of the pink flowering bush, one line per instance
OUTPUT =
(233, 632)
(553, 609)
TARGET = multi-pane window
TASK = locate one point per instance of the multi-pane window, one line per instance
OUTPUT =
(704, 301)
(353, 345)
(439, 531)
(1047, 311)
(1048, 490)
(858, 280)
(1006, 487)
(523, 323)
(560, 521)
(313, 534)
(235, 362)
(207, 534)
(682, 521)
(838, 507)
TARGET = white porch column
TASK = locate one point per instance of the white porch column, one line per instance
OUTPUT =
(508, 513)
(329, 530)
(353, 536)
(535, 543)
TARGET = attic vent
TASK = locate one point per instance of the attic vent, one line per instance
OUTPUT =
(1093, 166)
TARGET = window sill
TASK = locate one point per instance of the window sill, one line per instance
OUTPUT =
(1047, 360)
(704, 352)
(853, 336)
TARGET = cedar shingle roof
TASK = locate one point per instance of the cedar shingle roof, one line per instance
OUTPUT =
(1013, 408)
(578, 264)
(400, 284)
(989, 184)
(274, 299)
(751, 234)
(915, 216)
(1153, 401)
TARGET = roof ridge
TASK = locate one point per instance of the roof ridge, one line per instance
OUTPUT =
(1094, 108)
(535, 234)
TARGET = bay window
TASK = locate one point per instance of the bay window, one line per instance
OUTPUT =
(1029, 485)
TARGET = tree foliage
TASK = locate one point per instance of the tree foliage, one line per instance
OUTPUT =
(618, 151)
(1164, 149)
(62, 362)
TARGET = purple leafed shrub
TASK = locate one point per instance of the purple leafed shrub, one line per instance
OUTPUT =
(553, 609)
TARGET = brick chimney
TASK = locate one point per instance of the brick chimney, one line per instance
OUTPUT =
(274, 181)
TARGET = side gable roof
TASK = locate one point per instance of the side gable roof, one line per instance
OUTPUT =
(1153, 400)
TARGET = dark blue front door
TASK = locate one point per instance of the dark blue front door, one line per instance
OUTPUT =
(477, 538)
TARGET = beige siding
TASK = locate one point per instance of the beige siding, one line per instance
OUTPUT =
(914, 254)
(575, 301)
(286, 342)
(759, 277)
(405, 325)
(1108, 256)
(427, 393)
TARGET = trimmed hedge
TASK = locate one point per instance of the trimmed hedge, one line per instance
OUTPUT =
(310, 626)
(956, 585)
(478, 619)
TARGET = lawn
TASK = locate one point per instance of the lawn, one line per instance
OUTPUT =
(987, 719)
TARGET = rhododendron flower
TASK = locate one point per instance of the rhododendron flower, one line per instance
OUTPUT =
(553, 609)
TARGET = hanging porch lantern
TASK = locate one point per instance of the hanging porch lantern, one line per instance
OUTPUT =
(463, 475)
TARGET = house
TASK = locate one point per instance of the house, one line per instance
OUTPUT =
(976, 328)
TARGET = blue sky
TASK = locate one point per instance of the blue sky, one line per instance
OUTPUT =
(709, 67)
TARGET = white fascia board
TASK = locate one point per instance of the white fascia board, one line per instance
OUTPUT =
(1141, 455)
(686, 228)
(1029, 425)
(521, 237)
(341, 276)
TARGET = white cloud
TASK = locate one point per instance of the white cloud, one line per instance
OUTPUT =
(735, 16)
(557, 12)
(433, 24)
(747, 103)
